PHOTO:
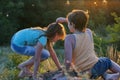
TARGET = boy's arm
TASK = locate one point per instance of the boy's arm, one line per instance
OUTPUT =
(68, 51)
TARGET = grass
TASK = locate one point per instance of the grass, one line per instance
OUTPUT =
(9, 61)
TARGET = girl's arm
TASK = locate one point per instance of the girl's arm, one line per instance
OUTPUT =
(37, 58)
(54, 56)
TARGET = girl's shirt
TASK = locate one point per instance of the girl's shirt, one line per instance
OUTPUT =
(29, 37)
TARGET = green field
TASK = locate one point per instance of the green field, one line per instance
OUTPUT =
(9, 61)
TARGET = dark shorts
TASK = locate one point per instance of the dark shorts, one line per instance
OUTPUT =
(29, 51)
(100, 67)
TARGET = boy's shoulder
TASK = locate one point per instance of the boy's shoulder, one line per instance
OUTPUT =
(70, 36)
(88, 29)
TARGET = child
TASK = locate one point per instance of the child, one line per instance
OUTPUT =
(32, 42)
(79, 48)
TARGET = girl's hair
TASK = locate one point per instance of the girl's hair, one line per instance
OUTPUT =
(79, 18)
(51, 30)
(55, 28)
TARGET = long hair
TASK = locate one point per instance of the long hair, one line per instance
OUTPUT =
(52, 30)
(79, 18)
(55, 28)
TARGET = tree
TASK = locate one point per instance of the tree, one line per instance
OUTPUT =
(9, 16)
(114, 31)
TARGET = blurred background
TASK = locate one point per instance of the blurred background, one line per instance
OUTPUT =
(19, 14)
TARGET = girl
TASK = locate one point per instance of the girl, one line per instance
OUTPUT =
(79, 48)
(32, 42)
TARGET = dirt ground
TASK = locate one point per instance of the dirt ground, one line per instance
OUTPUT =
(58, 75)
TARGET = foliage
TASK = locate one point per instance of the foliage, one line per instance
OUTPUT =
(100, 45)
(19, 14)
(50, 16)
(98, 23)
(114, 31)
(9, 13)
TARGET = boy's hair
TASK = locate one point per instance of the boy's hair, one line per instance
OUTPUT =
(55, 28)
(79, 18)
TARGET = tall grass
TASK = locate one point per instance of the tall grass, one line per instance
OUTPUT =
(113, 54)
(9, 61)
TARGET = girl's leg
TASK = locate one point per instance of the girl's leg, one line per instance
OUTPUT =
(31, 51)
(25, 67)
(27, 63)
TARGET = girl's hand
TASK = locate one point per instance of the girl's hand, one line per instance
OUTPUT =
(61, 20)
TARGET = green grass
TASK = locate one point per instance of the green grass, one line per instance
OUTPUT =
(9, 61)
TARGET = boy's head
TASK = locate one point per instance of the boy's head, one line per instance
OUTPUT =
(79, 19)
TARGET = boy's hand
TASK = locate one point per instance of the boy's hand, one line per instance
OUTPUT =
(34, 78)
(61, 20)
(57, 76)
